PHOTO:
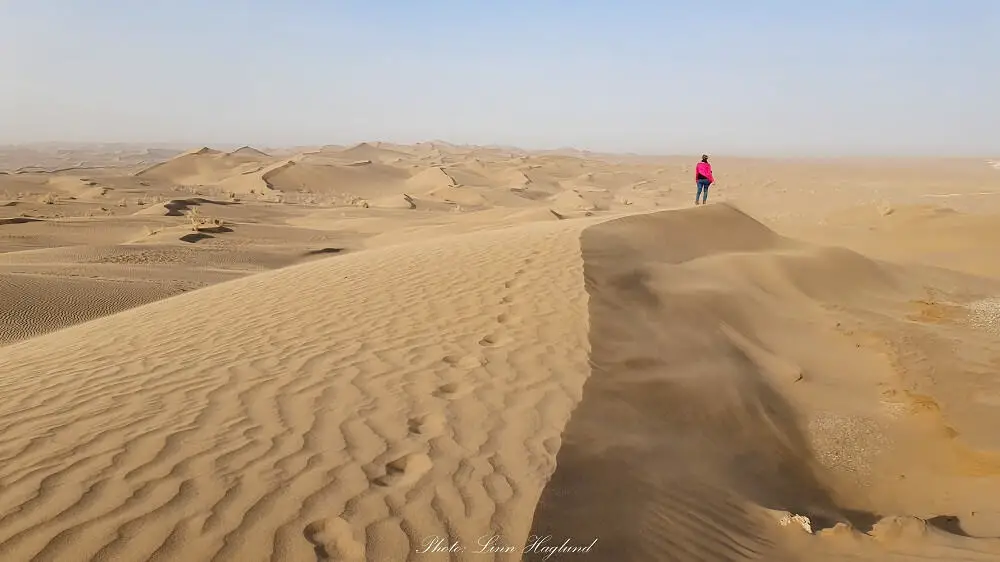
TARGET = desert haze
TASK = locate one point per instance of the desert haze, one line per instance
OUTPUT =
(437, 352)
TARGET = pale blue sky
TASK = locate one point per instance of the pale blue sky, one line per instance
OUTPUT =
(740, 77)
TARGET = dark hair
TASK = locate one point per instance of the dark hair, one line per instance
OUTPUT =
(704, 158)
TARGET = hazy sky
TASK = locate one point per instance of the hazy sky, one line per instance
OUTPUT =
(745, 77)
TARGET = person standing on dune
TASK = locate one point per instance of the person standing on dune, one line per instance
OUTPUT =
(703, 178)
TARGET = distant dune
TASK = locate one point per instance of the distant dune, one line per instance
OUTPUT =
(365, 151)
(204, 166)
(250, 152)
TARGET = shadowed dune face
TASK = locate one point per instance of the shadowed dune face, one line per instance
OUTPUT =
(678, 429)
(712, 376)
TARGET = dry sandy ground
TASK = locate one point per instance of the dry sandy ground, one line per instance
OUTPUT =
(435, 352)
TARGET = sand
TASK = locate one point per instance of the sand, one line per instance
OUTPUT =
(434, 352)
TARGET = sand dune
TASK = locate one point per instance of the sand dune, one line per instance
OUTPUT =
(448, 413)
(204, 166)
(39, 304)
(363, 181)
(928, 234)
(365, 151)
(41, 157)
(339, 353)
(245, 431)
(250, 152)
(719, 386)
(383, 175)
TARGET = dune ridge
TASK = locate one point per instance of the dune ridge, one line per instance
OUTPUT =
(249, 151)
(706, 422)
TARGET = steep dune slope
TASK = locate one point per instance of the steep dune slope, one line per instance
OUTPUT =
(723, 398)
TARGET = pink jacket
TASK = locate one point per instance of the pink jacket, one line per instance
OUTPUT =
(705, 169)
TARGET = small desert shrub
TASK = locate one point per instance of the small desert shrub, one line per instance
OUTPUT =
(47, 199)
(198, 221)
(355, 201)
(194, 215)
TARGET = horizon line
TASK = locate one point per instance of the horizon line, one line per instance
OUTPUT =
(778, 155)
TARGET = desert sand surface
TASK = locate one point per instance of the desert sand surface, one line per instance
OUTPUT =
(438, 352)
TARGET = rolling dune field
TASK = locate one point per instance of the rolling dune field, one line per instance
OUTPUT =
(438, 352)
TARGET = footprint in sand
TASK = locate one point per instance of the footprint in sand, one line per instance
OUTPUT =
(494, 340)
(506, 300)
(334, 540)
(429, 425)
(465, 361)
(451, 390)
(405, 470)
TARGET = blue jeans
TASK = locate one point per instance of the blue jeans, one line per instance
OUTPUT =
(702, 188)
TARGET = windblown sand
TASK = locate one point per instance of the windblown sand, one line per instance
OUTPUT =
(435, 352)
